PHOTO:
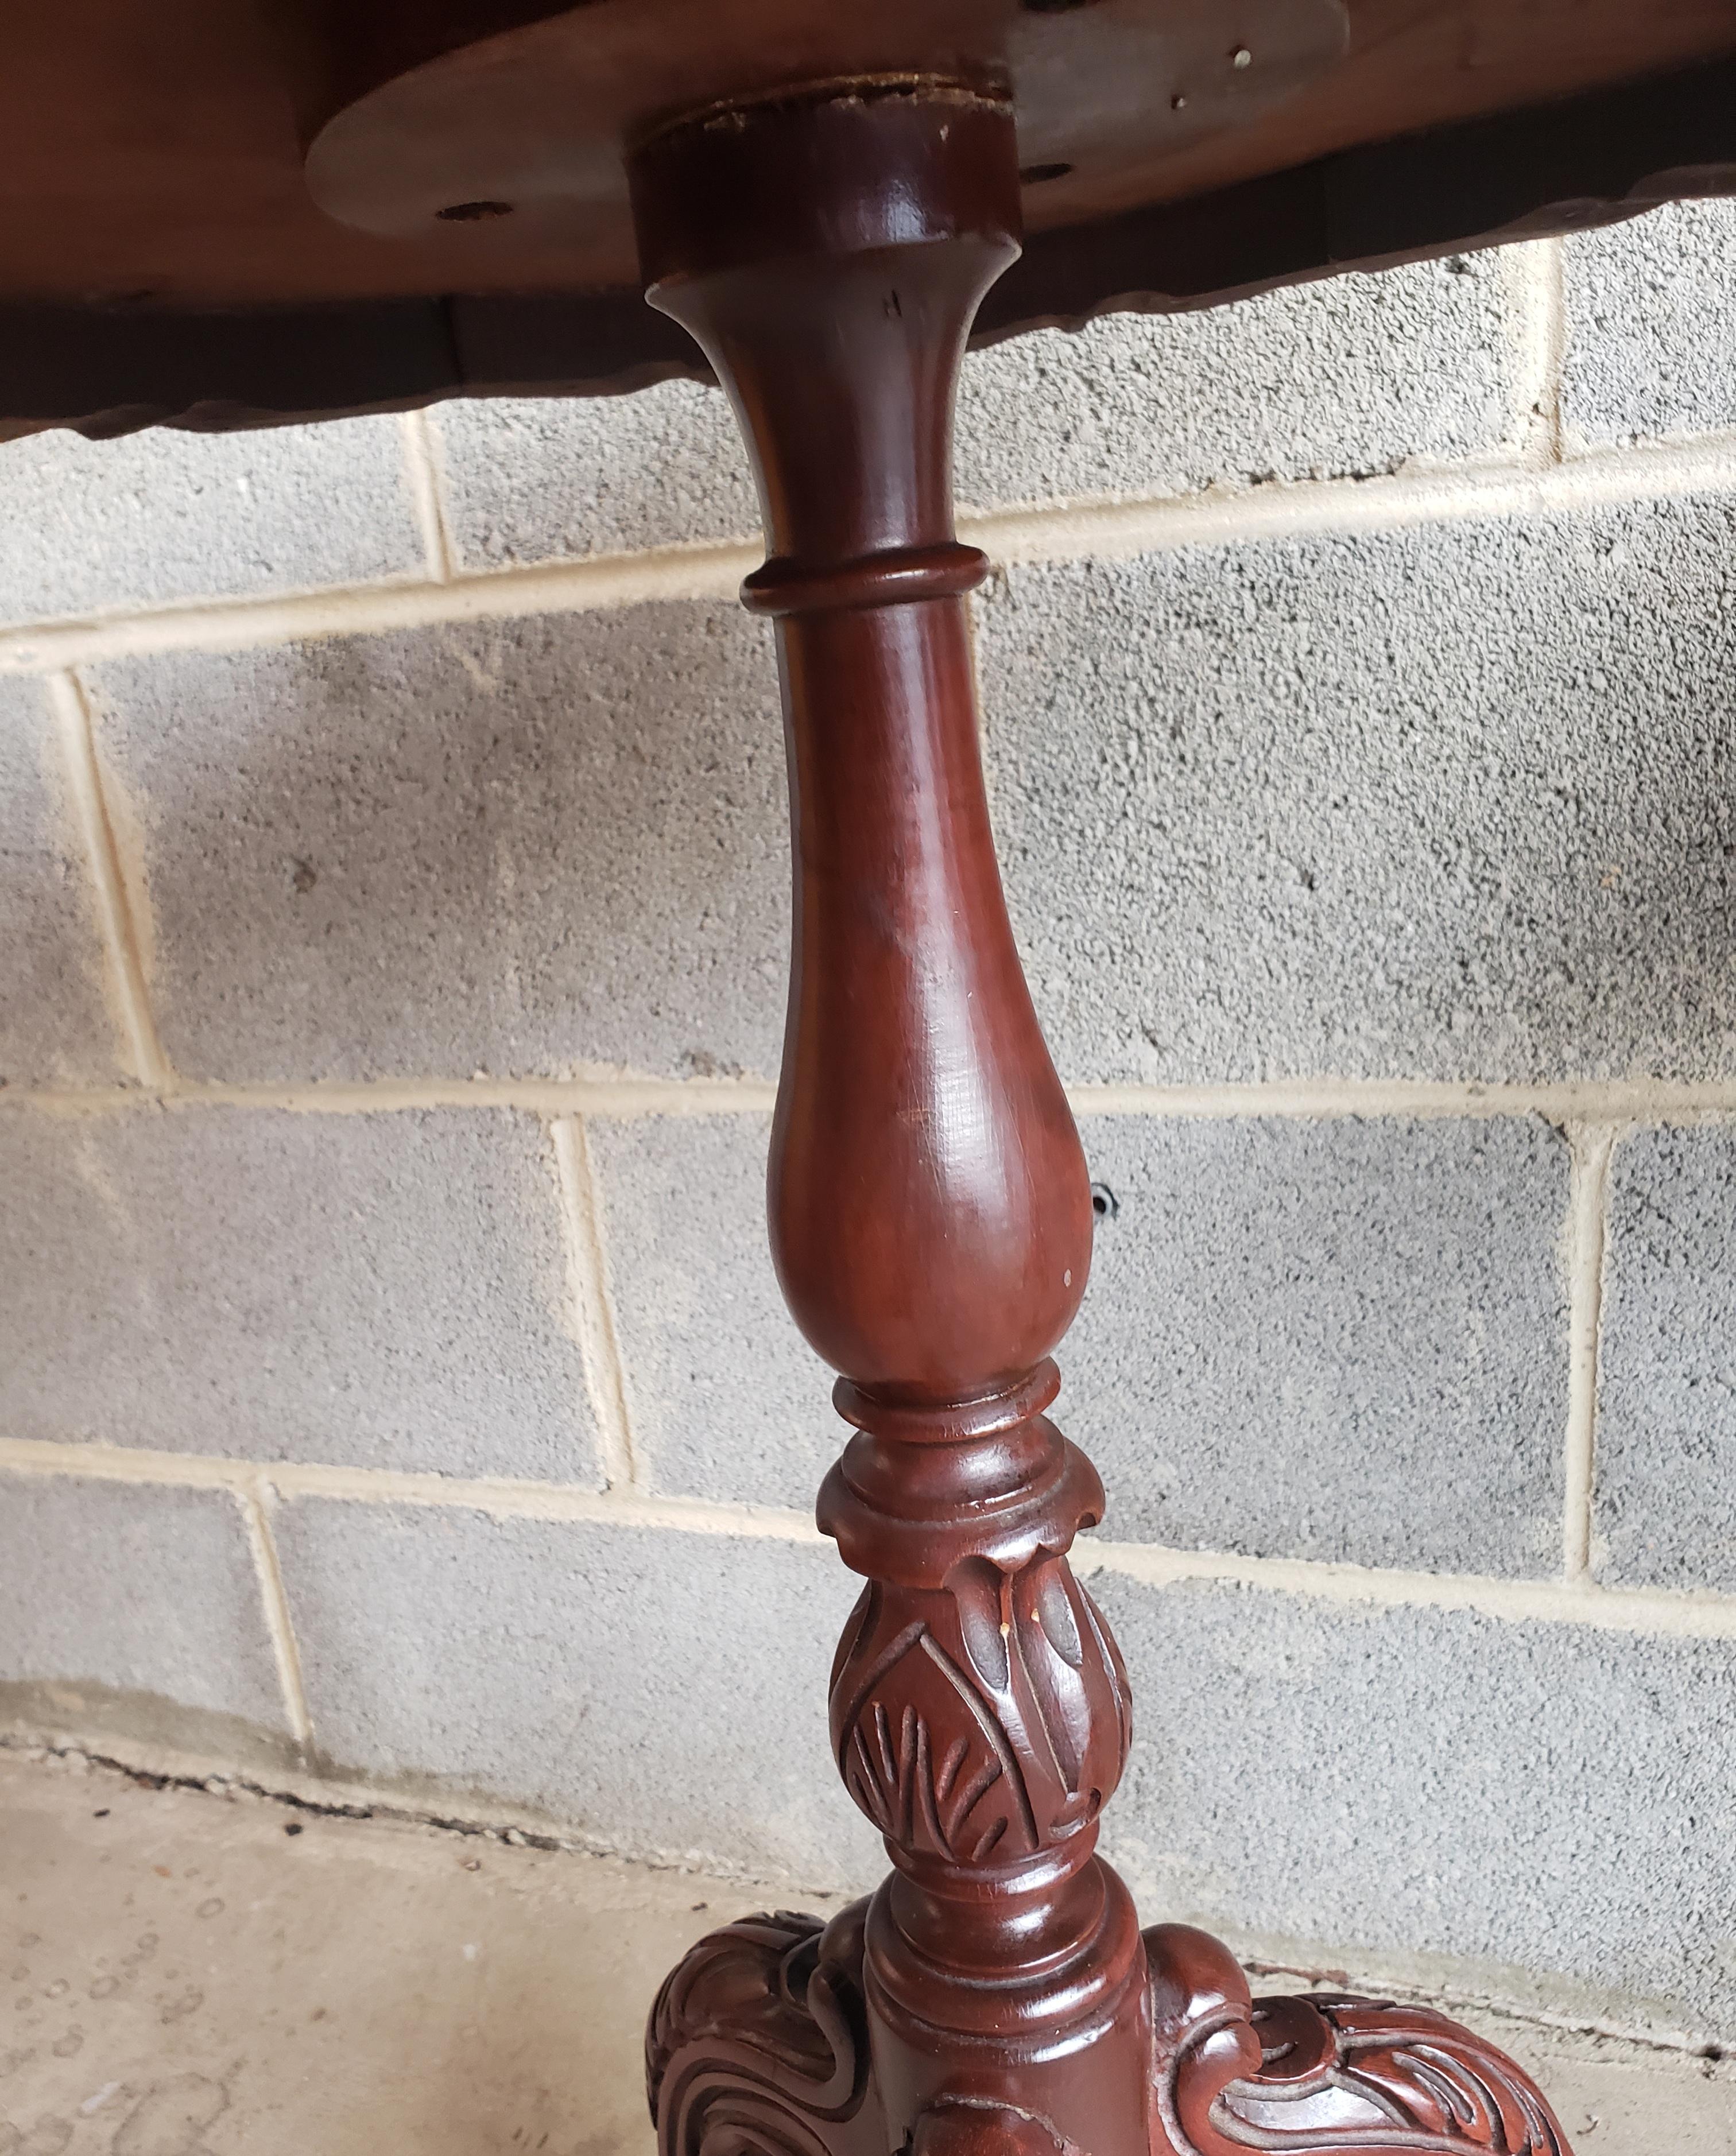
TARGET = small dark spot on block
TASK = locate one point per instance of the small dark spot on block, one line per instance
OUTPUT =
(294, 1827)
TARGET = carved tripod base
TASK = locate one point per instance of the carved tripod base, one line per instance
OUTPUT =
(761, 2041)
(931, 1222)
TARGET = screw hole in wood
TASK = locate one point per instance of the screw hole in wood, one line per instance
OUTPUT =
(472, 213)
(1033, 176)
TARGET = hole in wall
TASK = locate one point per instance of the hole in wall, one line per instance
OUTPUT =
(472, 212)
(1104, 1202)
(1033, 176)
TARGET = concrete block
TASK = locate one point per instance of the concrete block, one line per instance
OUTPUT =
(1449, 802)
(1651, 326)
(1666, 1501)
(375, 1290)
(1358, 375)
(150, 518)
(522, 846)
(1344, 1340)
(664, 1695)
(55, 1025)
(1545, 1804)
(128, 1608)
(548, 478)
(728, 1399)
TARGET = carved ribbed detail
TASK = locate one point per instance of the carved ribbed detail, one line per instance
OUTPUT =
(892, 577)
(980, 1710)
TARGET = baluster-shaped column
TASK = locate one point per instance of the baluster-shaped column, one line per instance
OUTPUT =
(932, 1223)
(930, 1209)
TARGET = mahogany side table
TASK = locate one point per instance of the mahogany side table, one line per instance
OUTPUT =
(828, 206)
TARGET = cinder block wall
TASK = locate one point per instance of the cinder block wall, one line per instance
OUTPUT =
(393, 1389)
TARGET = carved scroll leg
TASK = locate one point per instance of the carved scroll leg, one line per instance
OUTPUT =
(757, 2044)
(1331, 2077)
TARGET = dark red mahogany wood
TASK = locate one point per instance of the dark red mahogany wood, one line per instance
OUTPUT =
(931, 1221)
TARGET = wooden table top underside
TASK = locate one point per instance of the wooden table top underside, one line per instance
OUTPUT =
(166, 255)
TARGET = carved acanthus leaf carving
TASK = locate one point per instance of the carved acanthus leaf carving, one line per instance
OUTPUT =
(988, 1718)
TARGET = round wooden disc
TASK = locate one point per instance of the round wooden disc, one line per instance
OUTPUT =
(518, 142)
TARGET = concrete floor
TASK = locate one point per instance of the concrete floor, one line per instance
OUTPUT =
(185, 1973)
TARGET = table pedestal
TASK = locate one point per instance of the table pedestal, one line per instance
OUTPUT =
(931, 1220)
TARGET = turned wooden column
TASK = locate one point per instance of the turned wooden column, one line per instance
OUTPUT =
(932, 1225)
(931, 1213)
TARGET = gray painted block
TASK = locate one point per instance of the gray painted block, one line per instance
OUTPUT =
(1453, 802)
(86, 526)
(1359, 376)
(1651, 326)
(384, 1290)
(542, 479)
(524, 846)
(54, 1023)
(1343, 1341)
(728, 1399)
(1417, 1782)
(664, 1694)
(1667, 1400)
(132, 1589)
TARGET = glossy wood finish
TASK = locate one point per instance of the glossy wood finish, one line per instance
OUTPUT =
(931, 1220)
(164, 258)
(930, 1209)
(161, 150)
